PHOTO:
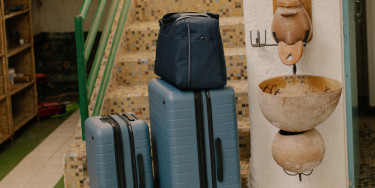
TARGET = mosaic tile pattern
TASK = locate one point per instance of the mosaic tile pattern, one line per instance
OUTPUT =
(367, 152)
(236, 63)
(75, 166)
(242, 99)
(154, 10)
(135, 68)
(138, 68)
(142, 37)
(128, 99)
(244, 139)
(135, 99)
(245, 172)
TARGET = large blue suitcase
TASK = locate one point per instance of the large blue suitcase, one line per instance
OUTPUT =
(194, 137)
(118, 152)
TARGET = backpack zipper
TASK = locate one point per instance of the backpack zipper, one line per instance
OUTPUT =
(189, 52)
(189, 44)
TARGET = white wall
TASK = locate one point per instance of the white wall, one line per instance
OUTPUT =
(370, 11)
(57, 15)
(323, 56)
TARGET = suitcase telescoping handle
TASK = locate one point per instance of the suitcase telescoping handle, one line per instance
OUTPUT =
(219, 156)
(141, 171)
(130, 117)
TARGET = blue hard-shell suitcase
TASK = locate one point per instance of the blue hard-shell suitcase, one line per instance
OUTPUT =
(194, 137)
(118, 152)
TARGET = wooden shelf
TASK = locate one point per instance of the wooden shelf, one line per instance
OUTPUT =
(13, 14)
(18, 106)
(21, 120)
(15, 51)
(2, 97)
(19, 87)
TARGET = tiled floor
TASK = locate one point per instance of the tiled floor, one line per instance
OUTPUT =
(367, 152)
(43, 167)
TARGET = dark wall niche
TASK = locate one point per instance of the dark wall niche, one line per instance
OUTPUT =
(55, 55)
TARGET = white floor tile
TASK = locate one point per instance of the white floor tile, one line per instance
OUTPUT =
(43, 167)
(12, 185)
(39, 185)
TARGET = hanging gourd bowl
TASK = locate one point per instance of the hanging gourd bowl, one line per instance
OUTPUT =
(298, 152)
(297, 103)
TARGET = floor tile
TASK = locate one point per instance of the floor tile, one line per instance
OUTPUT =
(39, 185)
(44, 177)
(43, 167)
(12, 185)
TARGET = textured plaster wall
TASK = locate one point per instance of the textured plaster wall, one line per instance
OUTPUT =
(53, 16)
(323, 56)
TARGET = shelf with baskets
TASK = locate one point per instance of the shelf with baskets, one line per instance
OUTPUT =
(23, 106)
(18, 96)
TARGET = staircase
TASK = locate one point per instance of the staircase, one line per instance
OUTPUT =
(135, 59)
(134, 65)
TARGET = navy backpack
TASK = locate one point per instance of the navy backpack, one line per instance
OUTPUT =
(189, 51)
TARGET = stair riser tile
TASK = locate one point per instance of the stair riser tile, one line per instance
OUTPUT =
(242, 106)
(146, 40)
(244, 144)
(136, 105)
(154, 10)
(245, 172)
(126, 74)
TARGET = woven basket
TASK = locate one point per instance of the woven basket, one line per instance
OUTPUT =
(4, 126)
(2, 79)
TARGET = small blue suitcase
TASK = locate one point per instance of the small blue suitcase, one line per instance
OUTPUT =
(194, 137)
(118, 152)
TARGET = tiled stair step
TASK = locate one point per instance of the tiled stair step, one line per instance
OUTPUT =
(155, 9)
(245, 172)
(142, 36)
(138, 68)
(135, 99)
(244, 139)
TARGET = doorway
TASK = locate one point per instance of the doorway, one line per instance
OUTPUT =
(365, 50)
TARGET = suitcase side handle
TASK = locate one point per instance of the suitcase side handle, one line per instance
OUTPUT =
(141, 171)
(219, 156)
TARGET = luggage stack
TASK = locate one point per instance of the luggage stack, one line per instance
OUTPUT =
(138, 48)
(192, 111)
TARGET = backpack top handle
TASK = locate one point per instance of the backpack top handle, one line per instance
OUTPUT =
(172, 17)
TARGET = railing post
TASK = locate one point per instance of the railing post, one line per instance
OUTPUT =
(94, 29)
(102, 45)
(112, 55)
(81, 68)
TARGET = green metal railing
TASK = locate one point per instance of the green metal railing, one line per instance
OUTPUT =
(84, 48)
